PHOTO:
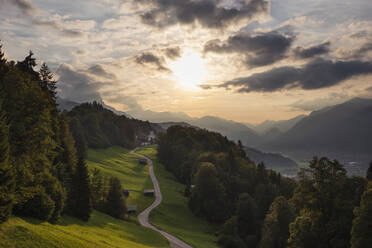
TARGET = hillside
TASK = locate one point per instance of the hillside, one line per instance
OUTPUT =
(174, 215)
(273, 161)
(101, 230)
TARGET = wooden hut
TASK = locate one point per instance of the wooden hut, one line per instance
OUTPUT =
(142, 161)
(132, 209)
(149, 192)
(126, 192)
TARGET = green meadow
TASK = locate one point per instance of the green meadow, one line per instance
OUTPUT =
(173, 214)
(101, 230)
(119, 162)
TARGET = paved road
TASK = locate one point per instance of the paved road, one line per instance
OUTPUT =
(144, 216)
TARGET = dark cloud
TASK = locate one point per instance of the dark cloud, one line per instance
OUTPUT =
(365, 48)
(77, 86)
(317, 74)
(24, 5)
(149, 58)
(258, 50)
(32, 13)
(208, 13)
(98, 70)
(173, 52)
(312, 51)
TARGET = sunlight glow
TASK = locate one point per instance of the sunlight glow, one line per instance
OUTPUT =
(189, 70)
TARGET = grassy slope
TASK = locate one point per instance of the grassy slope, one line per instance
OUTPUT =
(173, 215)
(101, 230)
(118, 162)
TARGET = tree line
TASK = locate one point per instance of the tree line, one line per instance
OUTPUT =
(257, 207)
(42, 151)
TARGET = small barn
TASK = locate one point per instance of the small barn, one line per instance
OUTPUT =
(132, 209)
(126, 192)
(142, 161)
(149, 192)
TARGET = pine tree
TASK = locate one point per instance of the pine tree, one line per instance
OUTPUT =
(369, 172)
(46, 80)
(115, 205)
(7, 180)
(362, 229)
(81, 188)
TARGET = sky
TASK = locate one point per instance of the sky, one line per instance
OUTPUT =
(242, 60)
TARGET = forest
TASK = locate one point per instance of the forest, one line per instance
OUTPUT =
(42, 151)
(257, 207)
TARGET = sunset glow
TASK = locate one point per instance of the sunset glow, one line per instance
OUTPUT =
(189, 70)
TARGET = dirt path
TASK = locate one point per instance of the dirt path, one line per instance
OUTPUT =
(143, 217)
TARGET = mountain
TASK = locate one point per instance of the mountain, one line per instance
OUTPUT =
(233, 130)
(273, 161)
(158, 117)
(343, 131)
(68, 105)
(64, 104)
(282, 125)
(166, 125)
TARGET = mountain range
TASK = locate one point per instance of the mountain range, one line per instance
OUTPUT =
(342, 131)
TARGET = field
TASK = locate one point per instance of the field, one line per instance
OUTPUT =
(173, 215)
(118, 162)
(101, 230)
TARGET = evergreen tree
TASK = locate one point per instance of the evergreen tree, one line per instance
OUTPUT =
(81, 188)
(46, 81)
(115, 205)
(7, 180)
(275, 230)
(98, 189)
(369, 172)
(361, 232)
(209, 197)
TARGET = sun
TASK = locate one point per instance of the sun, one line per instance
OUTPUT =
(189, 69)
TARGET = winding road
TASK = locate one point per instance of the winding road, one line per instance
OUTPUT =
(143, 217)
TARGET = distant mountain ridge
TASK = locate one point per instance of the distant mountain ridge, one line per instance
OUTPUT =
(282, 125)
(345, 127)
(68, 105)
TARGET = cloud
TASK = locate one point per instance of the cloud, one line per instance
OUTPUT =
(77, 86)
(24, 5)
(258, 50)
(363, 50)
(207, 13)
(312, 51)
(33, 13)
(173, 52)
(151, 59)
(80, 86)
(98, 70)
(317, 74)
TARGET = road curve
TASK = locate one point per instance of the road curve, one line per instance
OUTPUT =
(143, 217)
